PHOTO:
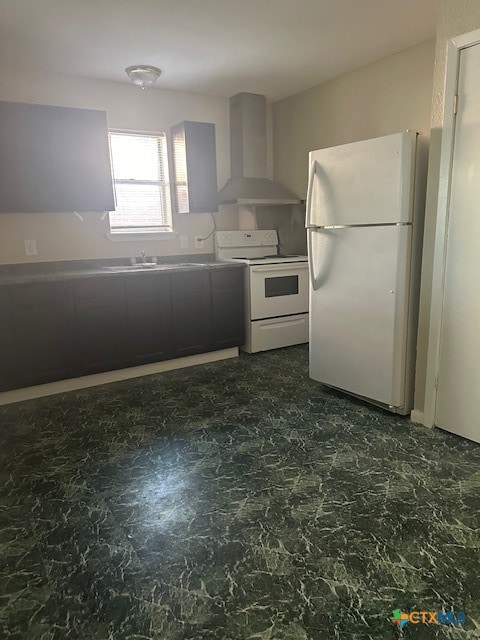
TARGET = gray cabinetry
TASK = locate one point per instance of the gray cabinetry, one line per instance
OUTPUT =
(57, 330)
(8, 363)
(195, 167)
(101, 324)
(150, 322)
(192, 311)
(42, 333)
(54, 159)
(228, 317)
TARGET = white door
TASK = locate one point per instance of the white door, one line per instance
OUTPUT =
(366, 182)
(458, 403)
(359, 309)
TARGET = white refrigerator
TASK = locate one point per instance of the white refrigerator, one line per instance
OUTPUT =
(364, 226)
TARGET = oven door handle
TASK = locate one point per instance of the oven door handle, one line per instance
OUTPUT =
(274, 323)
(281, 267)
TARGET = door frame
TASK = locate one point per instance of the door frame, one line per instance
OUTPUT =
(454, 49)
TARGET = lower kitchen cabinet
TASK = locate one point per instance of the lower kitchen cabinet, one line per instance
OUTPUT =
(43, 340)
(228, 316)
(58, 330)
(208, 310)
(192, 312)
(101, 323)
(150, 322)
(8, 363)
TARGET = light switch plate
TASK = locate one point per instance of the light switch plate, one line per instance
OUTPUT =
(183, 241)
(199, 242)
(30, 247)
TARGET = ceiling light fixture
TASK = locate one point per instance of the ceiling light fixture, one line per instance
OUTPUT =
(143, 75)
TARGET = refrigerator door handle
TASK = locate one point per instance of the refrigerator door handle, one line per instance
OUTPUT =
(308, 206)
(363, 226)
(324, 259)
(313, 279)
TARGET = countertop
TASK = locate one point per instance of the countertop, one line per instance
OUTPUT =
(109, 268)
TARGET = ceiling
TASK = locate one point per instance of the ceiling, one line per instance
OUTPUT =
(219, 47)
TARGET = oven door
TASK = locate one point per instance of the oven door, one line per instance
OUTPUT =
(278, 289)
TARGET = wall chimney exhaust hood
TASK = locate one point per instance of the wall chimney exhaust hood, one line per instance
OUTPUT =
(249, 184)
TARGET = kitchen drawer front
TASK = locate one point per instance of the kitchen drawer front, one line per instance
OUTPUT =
(189, 281)
(93, 289)
(144, 286)
(227, 277)
(277, 332)
(44, 293)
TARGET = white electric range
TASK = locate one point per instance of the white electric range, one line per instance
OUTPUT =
(276, 288)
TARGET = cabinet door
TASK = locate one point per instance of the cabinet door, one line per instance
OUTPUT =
(149, 309)
(228, 308)
(228, 318)
(54, 159)
(43, 332)
(192, 312)
(100, 312)
(195, 167)
(8, 368)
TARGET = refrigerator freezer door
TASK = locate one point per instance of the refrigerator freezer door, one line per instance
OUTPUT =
(367, 182)
(359, 310)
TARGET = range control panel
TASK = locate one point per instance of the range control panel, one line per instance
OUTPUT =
(225, 239)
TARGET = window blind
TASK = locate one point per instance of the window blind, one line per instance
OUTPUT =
(180, 165)
(142, 186)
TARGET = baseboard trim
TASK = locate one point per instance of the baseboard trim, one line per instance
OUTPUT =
(419, 418)
(84, 382)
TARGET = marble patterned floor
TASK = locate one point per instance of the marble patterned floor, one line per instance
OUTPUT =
(236, 500)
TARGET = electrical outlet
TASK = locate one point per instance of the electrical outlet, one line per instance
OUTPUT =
(183, 242)
(199, 243)
(30, 247)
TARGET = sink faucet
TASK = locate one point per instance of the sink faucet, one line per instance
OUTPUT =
(143, 257)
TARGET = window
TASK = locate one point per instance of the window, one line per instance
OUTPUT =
(141, 180)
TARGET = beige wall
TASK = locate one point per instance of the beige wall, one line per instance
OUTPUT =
(388, 96)
(455, 18)
(64, 236)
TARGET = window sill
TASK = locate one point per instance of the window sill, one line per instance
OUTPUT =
(144, 237)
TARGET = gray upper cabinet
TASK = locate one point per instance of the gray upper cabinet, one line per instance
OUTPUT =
(195, 167)
(54, 159)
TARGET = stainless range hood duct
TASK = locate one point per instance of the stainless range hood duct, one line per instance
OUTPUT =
(249, 184)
